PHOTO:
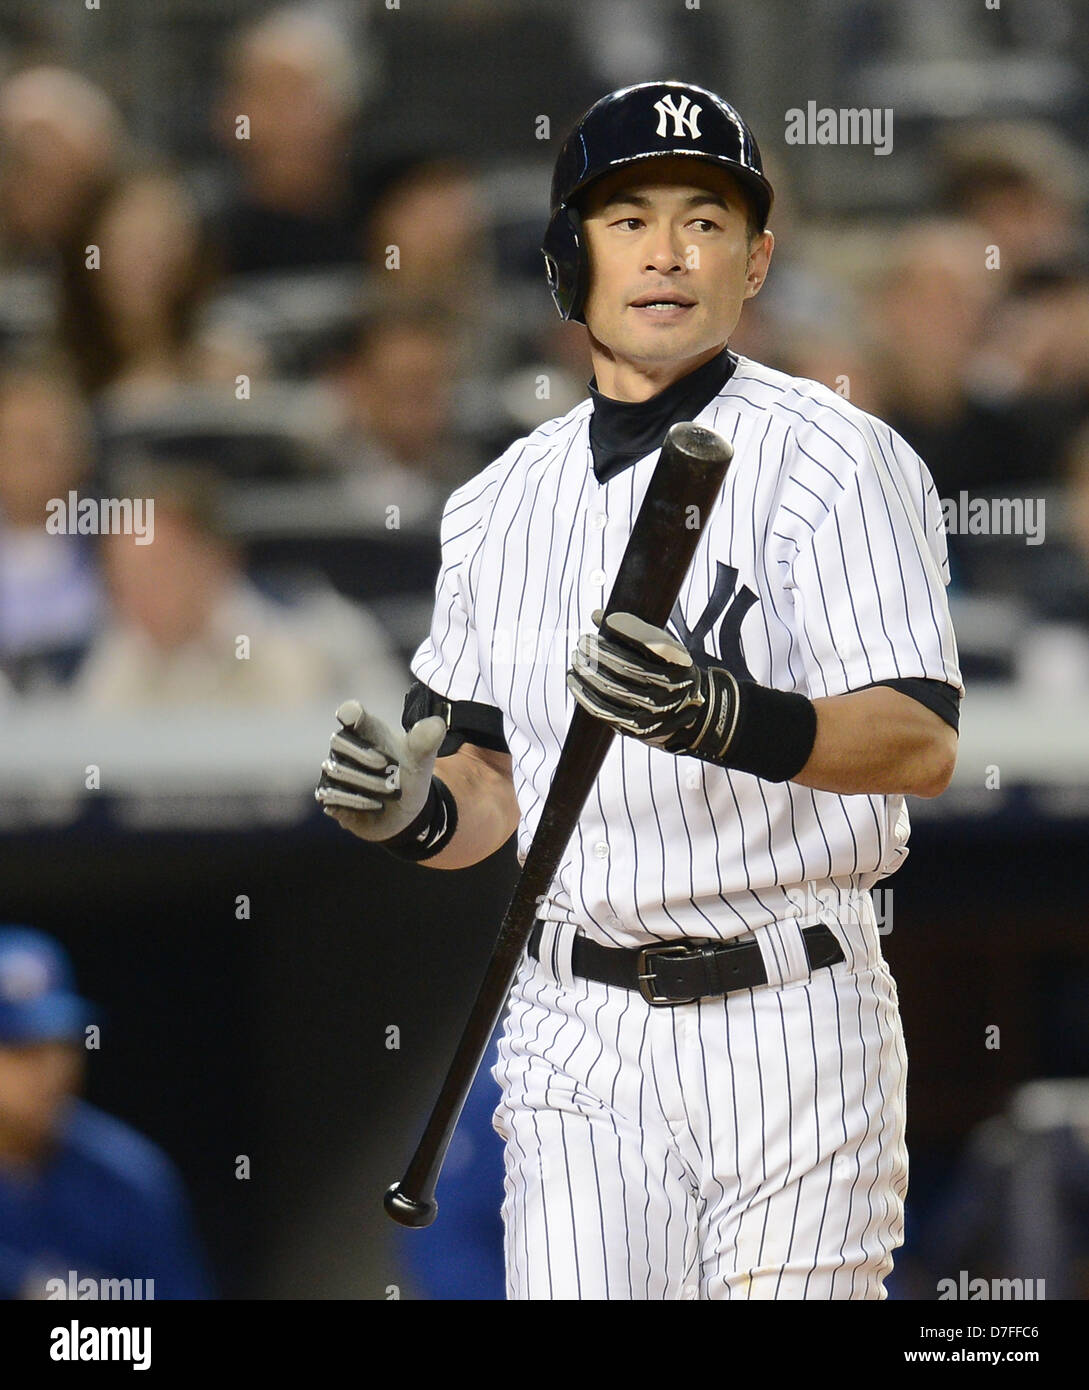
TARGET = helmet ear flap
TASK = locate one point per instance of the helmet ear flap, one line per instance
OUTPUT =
(565, 262)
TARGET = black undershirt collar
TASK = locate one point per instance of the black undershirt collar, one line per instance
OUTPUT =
(621, 432)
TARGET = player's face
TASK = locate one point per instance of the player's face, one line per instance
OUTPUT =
(36, 1082)
(670, 261)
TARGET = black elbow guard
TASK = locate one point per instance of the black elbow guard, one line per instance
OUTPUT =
(468, 721)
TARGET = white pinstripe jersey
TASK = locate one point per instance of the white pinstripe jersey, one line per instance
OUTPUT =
(823, 569)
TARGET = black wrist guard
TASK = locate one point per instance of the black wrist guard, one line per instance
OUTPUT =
(752, 728)
(431, 831)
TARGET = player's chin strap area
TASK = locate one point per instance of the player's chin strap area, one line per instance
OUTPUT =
(683, 972)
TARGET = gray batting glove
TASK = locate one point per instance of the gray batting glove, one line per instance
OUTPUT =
(376, 781)
(643, 681)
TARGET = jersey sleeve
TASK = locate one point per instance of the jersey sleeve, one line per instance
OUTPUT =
(447, 663)
(869, 575)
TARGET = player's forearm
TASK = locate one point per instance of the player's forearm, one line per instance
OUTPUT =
(879, 742)
(487, 811)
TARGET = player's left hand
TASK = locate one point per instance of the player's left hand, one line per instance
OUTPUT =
(643, 682)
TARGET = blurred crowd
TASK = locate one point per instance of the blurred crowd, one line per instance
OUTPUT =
(299, 339)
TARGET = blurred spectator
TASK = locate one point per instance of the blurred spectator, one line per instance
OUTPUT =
(286, 116)
(62, 141)
(188, 627)
(1036, 358)
(49, 590)
(928, 311)
(398, 442)
(82, 1195)
(1038, 346)
(133, 323)
(1025, 186)
(425, 237)
(1022, 183)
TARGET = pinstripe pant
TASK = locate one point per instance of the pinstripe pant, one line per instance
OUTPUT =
(750, 1146)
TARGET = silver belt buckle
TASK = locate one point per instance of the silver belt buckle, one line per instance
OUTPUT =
(646, 974)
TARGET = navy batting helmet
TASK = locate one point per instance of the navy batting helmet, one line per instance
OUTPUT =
(641, 122)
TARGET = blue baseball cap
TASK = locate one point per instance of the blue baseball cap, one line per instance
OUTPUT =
(38, 999)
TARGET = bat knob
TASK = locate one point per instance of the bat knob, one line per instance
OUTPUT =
(406, 1211)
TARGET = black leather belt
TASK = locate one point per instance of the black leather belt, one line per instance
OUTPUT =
(680, 972)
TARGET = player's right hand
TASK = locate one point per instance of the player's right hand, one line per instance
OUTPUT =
(375, 781)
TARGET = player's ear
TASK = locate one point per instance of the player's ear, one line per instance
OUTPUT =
(760, 249)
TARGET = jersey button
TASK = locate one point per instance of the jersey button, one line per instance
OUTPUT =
(600, 521)
(601, 850)
(597, 577)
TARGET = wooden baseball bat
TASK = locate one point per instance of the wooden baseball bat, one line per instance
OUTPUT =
(679, 498)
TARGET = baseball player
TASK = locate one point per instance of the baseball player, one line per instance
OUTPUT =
(89, 1207)
(702, 1067)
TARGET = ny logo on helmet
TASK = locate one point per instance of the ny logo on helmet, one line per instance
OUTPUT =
(669, 106)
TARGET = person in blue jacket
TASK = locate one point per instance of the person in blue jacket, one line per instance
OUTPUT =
(89, 1208)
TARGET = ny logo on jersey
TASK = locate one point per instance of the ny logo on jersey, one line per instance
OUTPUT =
(729, 602)
(670, 106)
